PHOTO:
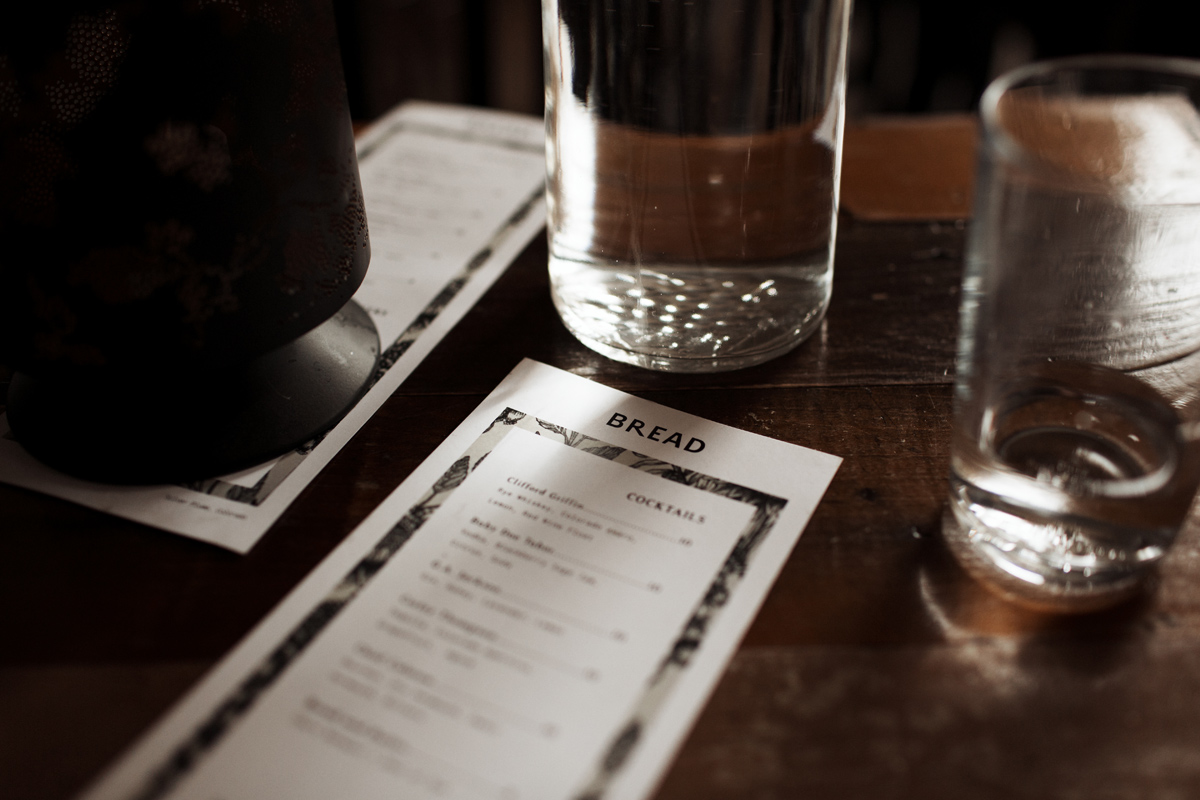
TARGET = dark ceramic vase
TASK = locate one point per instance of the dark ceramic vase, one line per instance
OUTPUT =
(181, 230)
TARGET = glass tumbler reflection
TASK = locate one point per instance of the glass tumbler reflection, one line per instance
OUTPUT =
(1072, 465)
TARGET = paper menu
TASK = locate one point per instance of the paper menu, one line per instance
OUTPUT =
(452, 195)
(539, 611)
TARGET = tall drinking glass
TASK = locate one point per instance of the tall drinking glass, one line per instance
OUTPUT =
(1078, 368)
(693, 151)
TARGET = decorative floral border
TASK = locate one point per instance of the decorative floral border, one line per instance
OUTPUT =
(767, 507)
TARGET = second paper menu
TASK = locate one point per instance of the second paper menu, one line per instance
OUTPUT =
(538, 612)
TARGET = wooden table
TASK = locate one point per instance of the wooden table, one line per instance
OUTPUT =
(876, 668)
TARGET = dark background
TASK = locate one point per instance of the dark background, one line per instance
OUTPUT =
(906, 56)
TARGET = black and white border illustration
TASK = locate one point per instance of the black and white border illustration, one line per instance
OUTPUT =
(189, 753)
(281, 469)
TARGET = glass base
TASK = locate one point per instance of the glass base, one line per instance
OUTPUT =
(693, 364)
(993, 567)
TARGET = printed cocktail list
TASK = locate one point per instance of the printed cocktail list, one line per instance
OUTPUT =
(538, 611)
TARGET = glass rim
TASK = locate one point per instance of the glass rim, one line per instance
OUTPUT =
(997, 137)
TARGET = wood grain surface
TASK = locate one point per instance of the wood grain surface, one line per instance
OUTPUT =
(875, 669)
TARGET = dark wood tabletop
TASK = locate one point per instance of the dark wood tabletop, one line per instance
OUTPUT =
(876, 668)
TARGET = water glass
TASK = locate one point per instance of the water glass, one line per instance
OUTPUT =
(1072, 464)
(693, 152)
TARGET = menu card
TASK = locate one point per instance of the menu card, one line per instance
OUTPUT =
(452, 195)
(538, 611)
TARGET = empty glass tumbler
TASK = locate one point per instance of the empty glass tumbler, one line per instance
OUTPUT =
(1073, 465)
(693, 153)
